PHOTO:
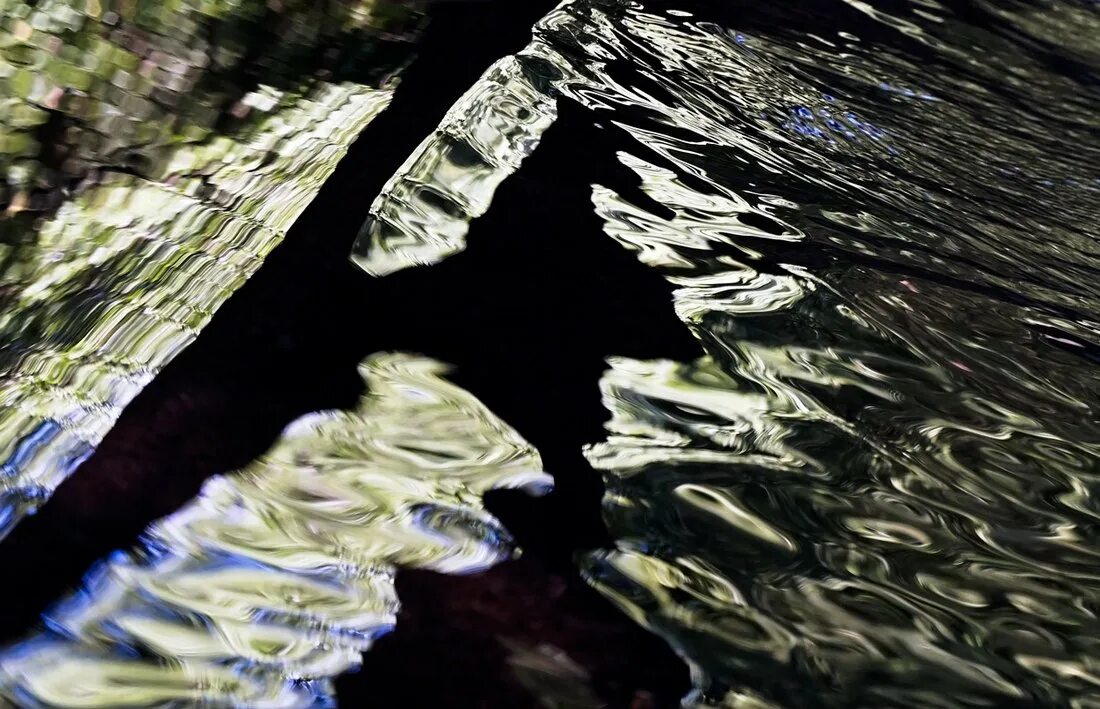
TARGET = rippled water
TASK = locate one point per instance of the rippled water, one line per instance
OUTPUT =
(424, 211)
(876, 486)
(277, 577)
(152, 155)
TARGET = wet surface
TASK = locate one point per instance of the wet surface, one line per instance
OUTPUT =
(275, 578)
(841, 257)
(880, 223)
(214, 408)
(151, 157)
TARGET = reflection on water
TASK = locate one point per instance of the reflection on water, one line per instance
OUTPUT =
(424, 211)
(115, 85)
(877, 485)
(276, 578)
(153, 155)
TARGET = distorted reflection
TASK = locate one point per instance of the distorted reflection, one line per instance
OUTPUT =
(152, 155)
(876, 487)
(276, 578)
(424, 211)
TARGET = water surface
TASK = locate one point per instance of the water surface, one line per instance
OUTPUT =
(152, 156)
(276, 578)
(876, 484)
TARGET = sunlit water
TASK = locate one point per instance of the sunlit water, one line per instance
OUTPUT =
(151, 156)
(277, 577)
(877, 484)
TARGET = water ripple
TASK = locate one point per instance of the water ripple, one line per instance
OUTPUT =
(277, 577)
(175, 185)
(423, 213)
(877, 485)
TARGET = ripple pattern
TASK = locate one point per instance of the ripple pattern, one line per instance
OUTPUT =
(92, 86)
(277, 577)
(105, 287)
(424, 211)
(876, 487)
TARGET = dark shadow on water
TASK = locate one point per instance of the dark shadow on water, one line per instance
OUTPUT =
(527, 315)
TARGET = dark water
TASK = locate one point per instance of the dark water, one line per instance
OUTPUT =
(275, 579)
(288, 344)
(872, 484)
(152, 156)
(874, 487)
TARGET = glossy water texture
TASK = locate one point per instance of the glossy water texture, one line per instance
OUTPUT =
(276, 578)
(149, 169)
(877, 485)
(424, 211)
